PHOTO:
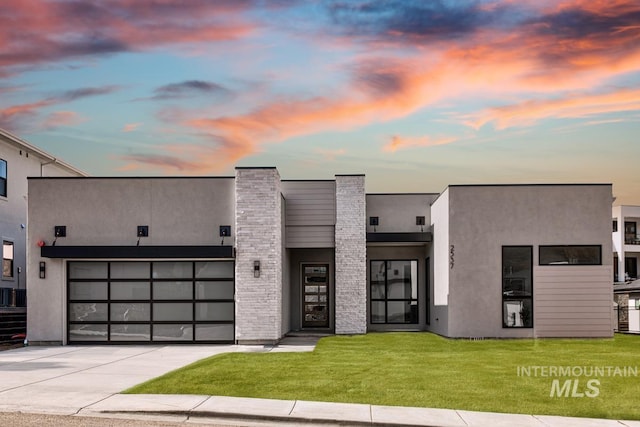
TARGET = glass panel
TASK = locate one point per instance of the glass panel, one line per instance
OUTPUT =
(130, 332)
(130, 290)
(214, 333)
(572, 255)
(518, 313)
(214, 290)
(215, 270)
(218, 311)
(130, 270)
(323, 298)
(311, 298)
(315, 313)
(402, 279)
(378, 312)
(88, 312)
(402, 312)
(87, 332)
(7, 250)
(516, 271)
(88, 291)
(130, 312)
(183, 332)
(378, 277)
(88, 270)
(313, 289)
(173, 311)
(173, 290)
(7, 268)
(172, 270)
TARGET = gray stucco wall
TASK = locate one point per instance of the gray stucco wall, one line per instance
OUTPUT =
(351, 269)
(107, 211)
(397, 212)
(485, 218)
(258, 238)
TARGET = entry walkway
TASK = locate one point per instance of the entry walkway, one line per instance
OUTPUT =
(76, 380)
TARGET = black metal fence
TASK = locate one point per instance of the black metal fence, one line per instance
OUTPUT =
(10, 297)
(627, 318)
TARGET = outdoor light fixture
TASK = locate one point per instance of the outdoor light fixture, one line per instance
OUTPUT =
(374, 222)
(420, 222)
(256, 269)
(43, 268)
(225, 230)
(143, 231)
(59, 231)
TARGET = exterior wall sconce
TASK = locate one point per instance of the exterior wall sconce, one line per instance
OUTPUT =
(420, 222)
(374, 221)
(143, 231)
(256, 269)
(225, 230)
(59, 231)
(43, 270)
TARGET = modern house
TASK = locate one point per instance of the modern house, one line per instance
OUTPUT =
(18, 160)
(251, 257)
(626, 242)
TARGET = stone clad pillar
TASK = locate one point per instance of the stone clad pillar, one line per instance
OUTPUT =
(351, 256)
(258, 232)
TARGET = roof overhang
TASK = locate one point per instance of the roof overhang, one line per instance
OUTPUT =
(97, 252)
(423, 237)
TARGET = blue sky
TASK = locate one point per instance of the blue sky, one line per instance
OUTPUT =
(416, 95)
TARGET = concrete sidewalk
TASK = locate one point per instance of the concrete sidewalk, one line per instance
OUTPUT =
(77, 380)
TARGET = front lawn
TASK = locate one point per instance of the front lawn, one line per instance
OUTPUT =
(425, 370)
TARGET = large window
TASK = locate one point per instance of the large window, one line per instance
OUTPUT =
(571, 255)
(394, 292)
(3, 178)
(517, 286)
(630, 236)
(7, 259)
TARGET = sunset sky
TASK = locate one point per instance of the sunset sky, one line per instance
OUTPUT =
(415, 94)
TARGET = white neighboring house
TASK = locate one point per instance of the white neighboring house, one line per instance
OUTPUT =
(19, 160)
(626, 242)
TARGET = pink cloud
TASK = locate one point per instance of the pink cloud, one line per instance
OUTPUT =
(130, 127)
(528, 113)
(62, 118)
(401, 143)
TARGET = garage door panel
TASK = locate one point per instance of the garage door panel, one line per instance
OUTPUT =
(150, 301)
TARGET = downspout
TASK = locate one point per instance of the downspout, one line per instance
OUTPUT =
(45, 164)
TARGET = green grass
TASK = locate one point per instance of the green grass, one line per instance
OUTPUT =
(423, 370)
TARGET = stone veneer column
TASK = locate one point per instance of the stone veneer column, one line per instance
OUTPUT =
(258, 231)
(351, 256)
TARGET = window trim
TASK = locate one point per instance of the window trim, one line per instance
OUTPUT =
(5, 178)
(541, 247)
(519, 298)
(386, 299)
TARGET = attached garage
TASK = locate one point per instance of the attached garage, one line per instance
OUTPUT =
(114, 301)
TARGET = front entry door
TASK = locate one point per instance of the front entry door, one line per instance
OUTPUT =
(315, 295)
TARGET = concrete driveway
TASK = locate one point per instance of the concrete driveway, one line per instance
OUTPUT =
(63, 380)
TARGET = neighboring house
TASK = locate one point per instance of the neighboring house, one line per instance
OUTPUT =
(249, 258)
(19, 160)
(626, 243)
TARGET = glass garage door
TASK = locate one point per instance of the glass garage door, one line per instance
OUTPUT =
(150, 302)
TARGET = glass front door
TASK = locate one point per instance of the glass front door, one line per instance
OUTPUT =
(315, 296)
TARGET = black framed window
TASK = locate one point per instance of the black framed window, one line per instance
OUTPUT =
(615, 225)
(7, 259)
(630, 233)
(3, 178)
(144, 301)
(570, 255)
(394, 291)
(517, 286)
